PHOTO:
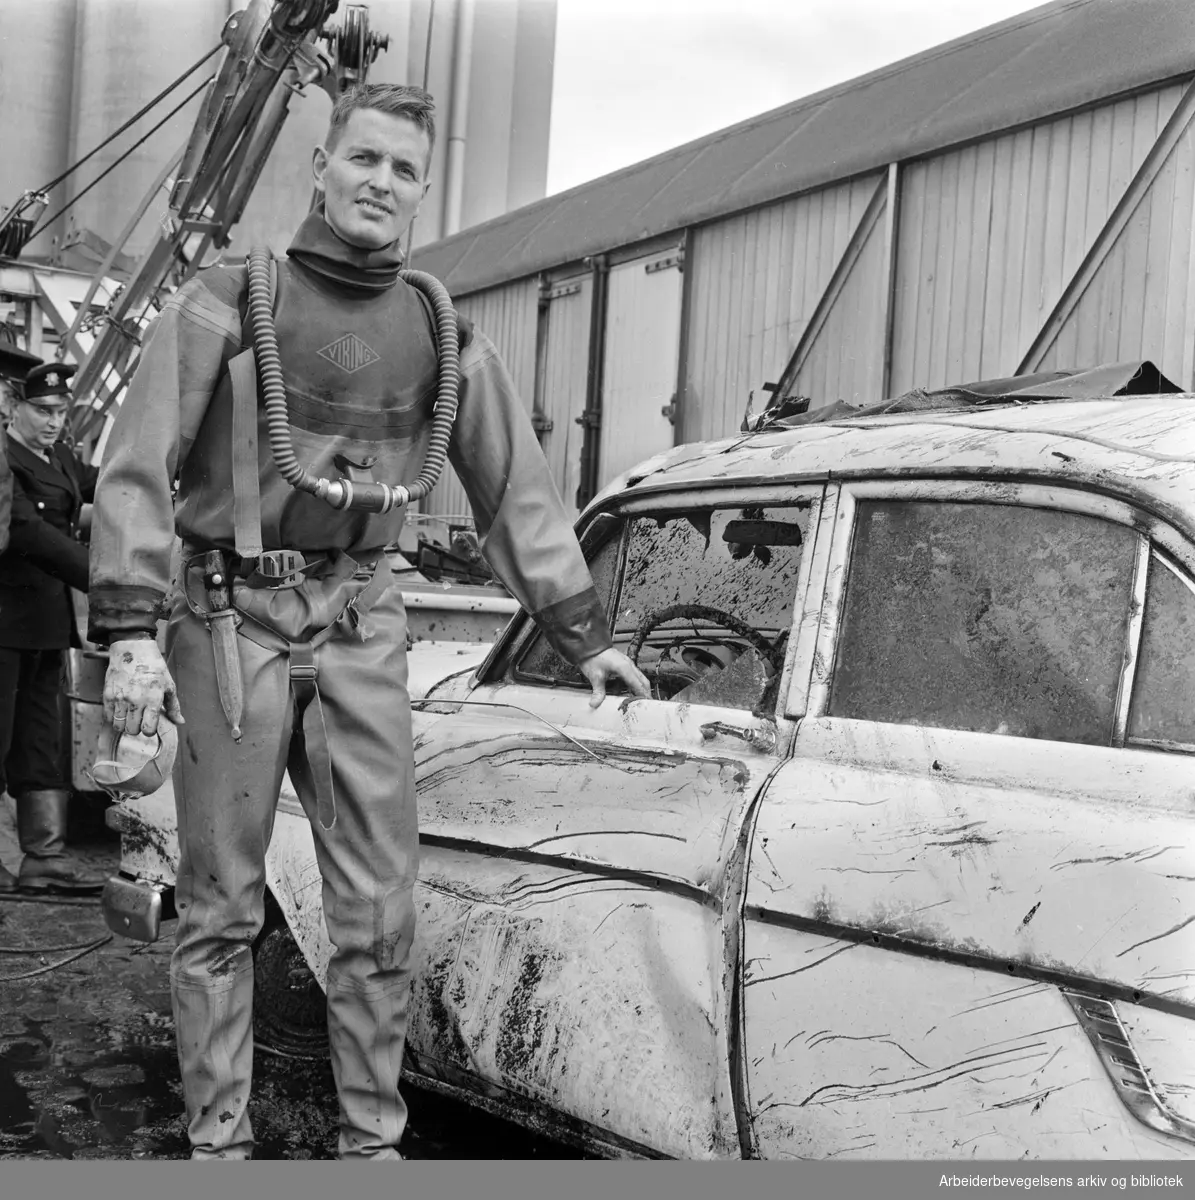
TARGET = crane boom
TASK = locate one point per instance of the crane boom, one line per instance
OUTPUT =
(272, 53)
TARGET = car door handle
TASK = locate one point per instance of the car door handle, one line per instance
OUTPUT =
(758, 737)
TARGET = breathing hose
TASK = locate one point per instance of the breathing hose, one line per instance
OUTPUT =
(346, 493)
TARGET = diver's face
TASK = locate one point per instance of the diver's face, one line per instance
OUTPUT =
(373, 178)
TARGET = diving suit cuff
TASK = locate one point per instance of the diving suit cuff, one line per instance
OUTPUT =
(576, 626)
(116, 613)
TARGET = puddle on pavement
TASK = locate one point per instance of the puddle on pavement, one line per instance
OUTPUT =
(62, 1097)
(86, 1093)
(88, 1068)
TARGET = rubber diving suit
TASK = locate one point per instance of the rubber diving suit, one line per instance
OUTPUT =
(324, 680)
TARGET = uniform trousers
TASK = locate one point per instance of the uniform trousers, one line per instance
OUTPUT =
(226, 796)
(31, 720)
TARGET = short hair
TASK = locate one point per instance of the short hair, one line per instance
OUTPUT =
(395, 99)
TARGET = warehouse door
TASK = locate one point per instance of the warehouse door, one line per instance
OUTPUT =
(561, 379)
(639, 368)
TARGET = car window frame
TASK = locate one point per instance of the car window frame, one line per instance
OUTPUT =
(840, 515)
(1187, 578)
(501, 665)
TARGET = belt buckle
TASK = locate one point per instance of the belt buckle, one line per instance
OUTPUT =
(281, 568)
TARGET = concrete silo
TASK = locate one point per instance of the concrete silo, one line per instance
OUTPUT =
(125, 52)
(72, 71)
(490, 71)
(37, 45)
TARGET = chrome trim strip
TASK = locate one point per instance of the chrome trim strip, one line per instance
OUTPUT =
(1103, 1026)
(1132, 646)
(1064, 978)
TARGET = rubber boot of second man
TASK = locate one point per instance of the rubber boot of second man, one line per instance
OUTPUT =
(41, 830)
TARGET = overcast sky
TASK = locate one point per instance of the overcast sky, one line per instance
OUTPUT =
(636, 77)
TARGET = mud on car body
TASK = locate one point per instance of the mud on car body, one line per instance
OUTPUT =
(898, 859)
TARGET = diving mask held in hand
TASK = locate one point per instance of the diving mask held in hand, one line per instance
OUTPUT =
(130, 765)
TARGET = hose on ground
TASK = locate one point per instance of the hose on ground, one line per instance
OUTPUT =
(345, 493)
(88, 949)
(44, 949)
(68, 901)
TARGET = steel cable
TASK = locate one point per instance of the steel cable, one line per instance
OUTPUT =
(45, 949)
(108, 170)
(131, 121)
(69, 901)
(91, 946)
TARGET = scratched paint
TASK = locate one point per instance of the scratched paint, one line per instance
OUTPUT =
(574, 923)
(1071, 858)
(580, 950)
(600, 932)
(854, 1052)
(589, 995)
(148, 827)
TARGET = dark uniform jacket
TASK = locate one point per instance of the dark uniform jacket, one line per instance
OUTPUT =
(43, 560)
(5, 496)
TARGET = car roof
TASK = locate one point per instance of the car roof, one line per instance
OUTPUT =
(1140, 447)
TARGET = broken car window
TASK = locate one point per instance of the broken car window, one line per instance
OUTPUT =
(984, 617)
(1163, 708)
(704, 603)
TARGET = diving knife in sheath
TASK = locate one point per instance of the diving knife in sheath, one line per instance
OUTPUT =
(222, 620)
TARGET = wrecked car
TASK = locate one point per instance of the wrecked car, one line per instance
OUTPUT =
(897, 862)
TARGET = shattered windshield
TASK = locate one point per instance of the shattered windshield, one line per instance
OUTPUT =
(703, 602)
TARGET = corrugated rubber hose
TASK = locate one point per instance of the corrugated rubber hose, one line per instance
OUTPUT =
(345, 493)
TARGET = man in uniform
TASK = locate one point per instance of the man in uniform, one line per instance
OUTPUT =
(13, 365)
(43, 561)
(323, 662)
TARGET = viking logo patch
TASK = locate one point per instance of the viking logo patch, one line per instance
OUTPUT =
(349, 353)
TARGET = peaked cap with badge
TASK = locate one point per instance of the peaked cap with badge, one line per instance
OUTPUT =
(49, 384)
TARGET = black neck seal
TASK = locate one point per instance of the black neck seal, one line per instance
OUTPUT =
(319, 248)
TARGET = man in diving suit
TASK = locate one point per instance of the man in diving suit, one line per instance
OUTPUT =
(359, 361)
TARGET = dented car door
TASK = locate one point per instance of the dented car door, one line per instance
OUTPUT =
(582, 870)
(968, 914)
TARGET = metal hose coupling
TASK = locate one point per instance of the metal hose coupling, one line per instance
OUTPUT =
(372, 497)
(345, 493)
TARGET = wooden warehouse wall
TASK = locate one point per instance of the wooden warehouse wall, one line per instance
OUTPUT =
(507, 316)
(991, 234)
(1067, 243)
(756, 279)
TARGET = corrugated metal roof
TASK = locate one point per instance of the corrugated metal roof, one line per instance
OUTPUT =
(1048, 61)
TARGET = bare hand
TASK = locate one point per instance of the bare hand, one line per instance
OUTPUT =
(613, 664)
(138, 688)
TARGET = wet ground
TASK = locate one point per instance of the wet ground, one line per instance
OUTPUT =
(87, 1061)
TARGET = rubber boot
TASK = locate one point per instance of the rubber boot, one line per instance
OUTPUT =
(8, 881)
(366, 1033)
(213, 1021)
(41, 830)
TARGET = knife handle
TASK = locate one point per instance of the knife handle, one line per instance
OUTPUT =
(215, 580)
